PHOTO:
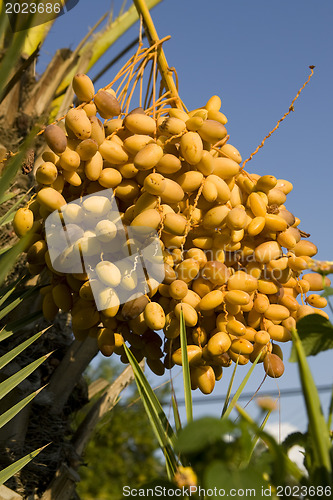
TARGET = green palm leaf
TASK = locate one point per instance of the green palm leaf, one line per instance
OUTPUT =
(240, 388)
(159, 422)
(8, 259)
(9, 356)
(15, 163)
(9, 215)
(186, 370)
(317, 425)
(7, 385)
(9, 471)
(17, 325)
(10, 307)
(14, 410)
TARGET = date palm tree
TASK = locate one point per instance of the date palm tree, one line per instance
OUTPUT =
(31, 418)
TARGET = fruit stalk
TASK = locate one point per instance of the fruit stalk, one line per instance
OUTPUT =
(161, 59)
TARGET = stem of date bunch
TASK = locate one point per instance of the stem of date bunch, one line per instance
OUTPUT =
(161, 59)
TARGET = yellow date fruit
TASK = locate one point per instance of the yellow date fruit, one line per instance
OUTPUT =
(154, 316)
(55, 138)
(83, 87)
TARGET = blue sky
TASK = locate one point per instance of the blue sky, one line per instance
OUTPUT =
(255, 56)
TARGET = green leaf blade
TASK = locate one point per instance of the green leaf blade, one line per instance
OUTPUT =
(6, 310)
(8, 292)
(17, 325)
(9, 356)
(7, 196)
(11, 382)
(317, 425)
(240, 389)
(15, 163)
(200, 434)
(9, 215)
(227, 397)
(316, 335)
(12, 469)
(328, 291)
(218, 476)
(186, 370)
(8, 259)
(176, 415)
(14, 410)
(159, 422)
